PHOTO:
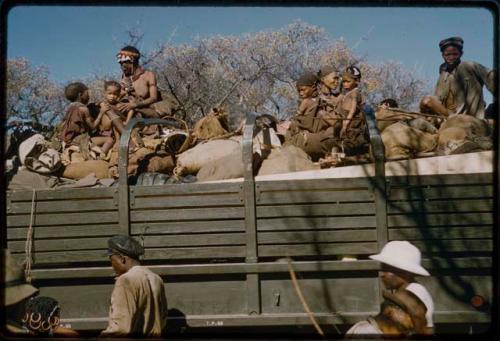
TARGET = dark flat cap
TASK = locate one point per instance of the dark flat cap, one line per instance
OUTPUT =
(458, 42)
(126, 245)
(308, 79)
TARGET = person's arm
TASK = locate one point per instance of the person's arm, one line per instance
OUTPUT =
(61, 331)
(351, 107)
(487, 76)
(122, 309)
(92, 124)
(130, 114)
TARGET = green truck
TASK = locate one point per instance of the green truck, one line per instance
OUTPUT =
(225, 249)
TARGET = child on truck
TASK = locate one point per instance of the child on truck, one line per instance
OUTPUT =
(353, 134)
(78, 121)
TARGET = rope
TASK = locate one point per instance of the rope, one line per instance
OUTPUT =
(29, 242)
(302, 300)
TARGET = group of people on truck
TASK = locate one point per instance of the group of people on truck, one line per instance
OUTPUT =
(138, 304)
(331, 116)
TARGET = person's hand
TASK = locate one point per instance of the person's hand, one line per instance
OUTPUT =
(105, 107)
(345, 126)
(126, 107)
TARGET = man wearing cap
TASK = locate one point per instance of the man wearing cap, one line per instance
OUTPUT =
(140, 87)
(138, 302)
(459, 89)
(400, 264)
(16, 293)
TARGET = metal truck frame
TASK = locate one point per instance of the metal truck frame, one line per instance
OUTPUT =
(224, 248)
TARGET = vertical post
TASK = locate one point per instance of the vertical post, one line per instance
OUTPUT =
(123, 188)
(379, 186)
(253, 282)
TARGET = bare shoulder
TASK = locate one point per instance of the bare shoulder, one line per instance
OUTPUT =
(150, 75)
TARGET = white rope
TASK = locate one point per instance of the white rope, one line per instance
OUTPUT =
(29, 242)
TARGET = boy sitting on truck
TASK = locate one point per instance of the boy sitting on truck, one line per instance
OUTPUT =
(400, 264)
(78, 120)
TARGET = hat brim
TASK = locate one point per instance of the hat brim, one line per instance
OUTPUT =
(17, 293)
(395, 262)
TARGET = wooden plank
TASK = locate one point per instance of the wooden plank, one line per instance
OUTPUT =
(63, 194)
(222, 199)
(62, 206)
(64, 231)
(315, 210)
(316, 237)
(441, 180)
(66, 257)
(459, 245)
(452, 219)
(307, 223)
(180, 189)
(195, 253)
(462, 232)
(187, 214)
(441, 192)
(314, 184)
(316, 196)
(182, 227)
(63, 219)
(326, 249)
(61, 245)
(199, 240)
(451, 206)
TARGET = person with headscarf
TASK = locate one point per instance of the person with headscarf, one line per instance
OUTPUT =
(459, 89)
(139, 87)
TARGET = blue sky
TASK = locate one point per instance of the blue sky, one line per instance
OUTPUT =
(74, 42)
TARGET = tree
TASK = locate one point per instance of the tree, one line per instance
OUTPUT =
(32, 96)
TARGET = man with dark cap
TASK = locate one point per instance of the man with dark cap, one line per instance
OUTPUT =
(138, 302)
(140, 87)
(459, 89)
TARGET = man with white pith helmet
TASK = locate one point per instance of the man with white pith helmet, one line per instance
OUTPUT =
(400, 264)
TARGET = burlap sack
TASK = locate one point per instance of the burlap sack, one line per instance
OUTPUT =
(402, 141)
(228, 167)
(461, 134)
(388, 116)
(82, 169)
(285, 160)
(208, 127)
(193, 159)
(472, 125)
(161, 164)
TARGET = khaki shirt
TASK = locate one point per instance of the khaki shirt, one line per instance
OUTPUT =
(138, 305)
(461, 89)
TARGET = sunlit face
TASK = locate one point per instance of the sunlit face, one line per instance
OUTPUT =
(399, 317)
(118, 264)
(112, 94)
(451, 54)
(349, 83)
(305, 91)
(331, 81)
(393, 278)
